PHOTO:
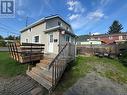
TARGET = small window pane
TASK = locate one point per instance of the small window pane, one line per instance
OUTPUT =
(36, 38)
(51, 38)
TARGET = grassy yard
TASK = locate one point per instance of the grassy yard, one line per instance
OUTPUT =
(9, 67)
(105, 67)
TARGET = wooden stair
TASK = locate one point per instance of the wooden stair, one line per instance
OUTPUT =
(49, 71)
(41, 73)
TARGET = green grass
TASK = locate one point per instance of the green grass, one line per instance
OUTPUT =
(110, 68)
(9, 67)
(74, 71)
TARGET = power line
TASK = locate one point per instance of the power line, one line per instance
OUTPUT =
(3, 30)
(7, 26)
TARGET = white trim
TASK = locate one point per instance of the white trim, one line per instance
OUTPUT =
(33, 39)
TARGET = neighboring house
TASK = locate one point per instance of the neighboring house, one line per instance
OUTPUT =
(91, 42)
(52, 31)
(110, 38)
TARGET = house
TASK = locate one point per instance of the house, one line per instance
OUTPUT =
(85, 40)
(52, 31)
(91, 42)
(59, 40)
(110, 38)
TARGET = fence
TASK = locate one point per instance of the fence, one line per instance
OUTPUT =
(100, 50)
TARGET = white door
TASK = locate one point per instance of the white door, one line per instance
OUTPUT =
(50, 43)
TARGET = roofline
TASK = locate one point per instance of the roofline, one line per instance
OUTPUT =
(60, 28)
(43, 20)
(122, 33)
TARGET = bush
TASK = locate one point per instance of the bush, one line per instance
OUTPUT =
(2, 43)
(123, 56)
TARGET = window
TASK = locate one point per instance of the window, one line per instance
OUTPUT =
(110, 37)
(67, 38)
(120, 37)
(26, 40)
(36, 38)
(51, 38)
(59, 23)
(30, 29)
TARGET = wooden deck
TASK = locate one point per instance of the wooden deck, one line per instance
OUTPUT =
(50, 68)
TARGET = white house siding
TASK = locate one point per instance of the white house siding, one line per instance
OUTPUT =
(51, 23)
(35, 31)
(38, 30)
(54, 22)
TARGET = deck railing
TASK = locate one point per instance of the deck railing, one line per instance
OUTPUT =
(58, 65)
(26, 52)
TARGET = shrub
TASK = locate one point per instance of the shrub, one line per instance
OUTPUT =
(123, 56)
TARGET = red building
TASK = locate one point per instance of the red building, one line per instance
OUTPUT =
(110, 38)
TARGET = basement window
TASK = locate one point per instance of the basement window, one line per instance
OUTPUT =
(36, 38)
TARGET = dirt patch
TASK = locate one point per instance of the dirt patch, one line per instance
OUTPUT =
(93, 84)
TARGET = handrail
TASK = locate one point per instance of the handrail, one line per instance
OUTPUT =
(50, 65)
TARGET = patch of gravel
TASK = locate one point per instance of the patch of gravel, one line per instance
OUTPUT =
(93, 84)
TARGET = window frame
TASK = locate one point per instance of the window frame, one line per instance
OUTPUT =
(36, 39)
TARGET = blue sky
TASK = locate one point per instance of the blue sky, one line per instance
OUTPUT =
(85, 16)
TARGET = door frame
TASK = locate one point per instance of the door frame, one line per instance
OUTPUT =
(50, 43)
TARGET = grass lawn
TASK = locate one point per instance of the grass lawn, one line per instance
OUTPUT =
(9, 67)
(105, 67)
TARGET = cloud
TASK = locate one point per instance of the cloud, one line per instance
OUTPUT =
(104, 2)
(73, 16)
(98, 14)
(82, 20)
(96, 33)
(75, 6)
(25, 7)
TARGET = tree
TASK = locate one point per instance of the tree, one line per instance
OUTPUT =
(2, 42)
(1, 38)
(116, 27)
(123, 52)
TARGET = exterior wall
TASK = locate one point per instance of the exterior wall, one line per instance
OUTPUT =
(72, 48)
(35, 31)
(54, 23)
(44, 36)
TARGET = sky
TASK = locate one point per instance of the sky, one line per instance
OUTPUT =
(85, 16)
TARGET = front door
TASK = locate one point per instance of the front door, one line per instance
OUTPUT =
(50, 43)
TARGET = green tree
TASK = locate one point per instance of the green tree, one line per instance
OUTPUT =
(10, 37)
(116, 27)
(1, 38)
(123, 56)
(2, 42)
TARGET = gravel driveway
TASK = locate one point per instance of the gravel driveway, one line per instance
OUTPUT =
(93, 84)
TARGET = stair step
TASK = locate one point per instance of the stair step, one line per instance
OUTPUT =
(42, 66)
(45, 61)
(43, 73)
(50, 55)
(39, 79)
